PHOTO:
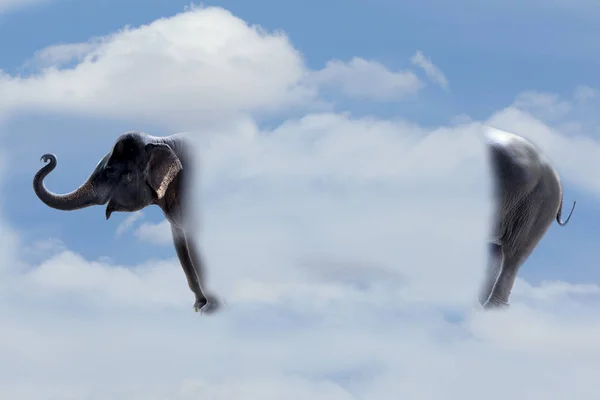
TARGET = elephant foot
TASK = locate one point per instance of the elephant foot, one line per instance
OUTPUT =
(495, 304)
(207, 305)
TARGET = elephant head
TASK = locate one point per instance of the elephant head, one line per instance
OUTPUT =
(139, 171)
(136, 173)
(528, 198)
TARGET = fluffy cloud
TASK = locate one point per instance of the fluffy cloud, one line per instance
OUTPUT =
(366, 79)
(344, 279)
(200, 65)
(544, 105)
(159, 234)
(62, 54)
(348, 251)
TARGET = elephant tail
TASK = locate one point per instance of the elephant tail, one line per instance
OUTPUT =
(559, 214)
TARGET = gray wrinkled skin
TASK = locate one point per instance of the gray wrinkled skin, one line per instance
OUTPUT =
(139, 171)
(528, 198)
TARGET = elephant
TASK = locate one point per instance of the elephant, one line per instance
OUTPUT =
(139, 171)
(528, 198)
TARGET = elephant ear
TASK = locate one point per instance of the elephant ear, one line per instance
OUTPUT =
(163, 166)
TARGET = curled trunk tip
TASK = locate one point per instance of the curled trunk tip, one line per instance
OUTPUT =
(88, 194)
(48, 157)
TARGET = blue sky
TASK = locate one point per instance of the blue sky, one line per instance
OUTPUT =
(344, 197)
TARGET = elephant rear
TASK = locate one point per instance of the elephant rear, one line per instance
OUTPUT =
(528, 196)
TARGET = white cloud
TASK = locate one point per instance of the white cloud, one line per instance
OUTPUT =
(200, 65)
(366, 79)
(159, 234)
(432, 71)
(9, 241)
(344, 247)
(543, 105)
(61, 54)
(340, 253)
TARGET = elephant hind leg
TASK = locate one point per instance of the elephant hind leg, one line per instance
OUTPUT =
(492, 271)
(502, 288)
(512, 259)
(514, 255)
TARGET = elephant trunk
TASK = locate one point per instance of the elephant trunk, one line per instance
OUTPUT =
(88, 194)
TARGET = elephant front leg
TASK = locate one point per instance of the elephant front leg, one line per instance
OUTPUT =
(182, 249)
(211, 303)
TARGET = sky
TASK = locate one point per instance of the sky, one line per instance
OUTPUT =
(345, 199)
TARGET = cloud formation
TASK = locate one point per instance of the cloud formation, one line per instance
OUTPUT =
(203, 66)
(348, 249)
(200, 65)
(363, 79)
